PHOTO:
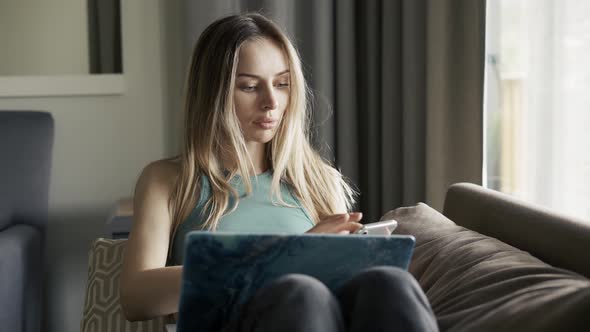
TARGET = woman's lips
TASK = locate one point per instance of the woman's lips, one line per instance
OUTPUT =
(266, 124)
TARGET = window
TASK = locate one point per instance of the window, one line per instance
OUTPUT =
(537, 102)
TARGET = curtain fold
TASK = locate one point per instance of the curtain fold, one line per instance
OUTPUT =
(104, 36)
(398, 90)
(454, 111)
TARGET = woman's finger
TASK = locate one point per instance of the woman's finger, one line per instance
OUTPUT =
(334, 217)
(352, 226)
(355, 216)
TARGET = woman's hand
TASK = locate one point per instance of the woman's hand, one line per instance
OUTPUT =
(344, 223)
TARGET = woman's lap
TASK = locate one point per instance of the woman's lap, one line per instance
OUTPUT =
(379, 298)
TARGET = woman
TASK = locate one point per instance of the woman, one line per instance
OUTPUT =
(247, 166)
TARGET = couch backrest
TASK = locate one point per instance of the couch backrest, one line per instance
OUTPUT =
(557, 239)
(26, 142)
(476, 282)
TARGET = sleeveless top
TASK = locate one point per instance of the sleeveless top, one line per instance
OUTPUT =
(255, 213)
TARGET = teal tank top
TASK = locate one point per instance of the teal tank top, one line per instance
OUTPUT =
(255, 213)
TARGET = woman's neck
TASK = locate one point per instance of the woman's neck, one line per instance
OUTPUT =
(257, 152)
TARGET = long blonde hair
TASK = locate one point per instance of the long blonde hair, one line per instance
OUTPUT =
(212, 131)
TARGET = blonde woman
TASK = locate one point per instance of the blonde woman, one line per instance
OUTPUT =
(247, 166)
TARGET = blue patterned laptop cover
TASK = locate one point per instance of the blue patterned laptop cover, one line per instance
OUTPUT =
(223, 270)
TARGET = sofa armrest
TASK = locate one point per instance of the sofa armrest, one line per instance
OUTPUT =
(559, 240)
(21, 278)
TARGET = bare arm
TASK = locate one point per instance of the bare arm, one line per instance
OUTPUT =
(147, 287)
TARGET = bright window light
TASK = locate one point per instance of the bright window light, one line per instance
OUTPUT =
(537, 102)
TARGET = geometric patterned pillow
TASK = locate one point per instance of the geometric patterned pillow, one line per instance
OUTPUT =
(102, 311)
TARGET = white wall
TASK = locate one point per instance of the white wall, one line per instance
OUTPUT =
(43, 37)
(101, 145)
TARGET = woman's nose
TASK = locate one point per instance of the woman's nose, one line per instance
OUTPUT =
(269, 101)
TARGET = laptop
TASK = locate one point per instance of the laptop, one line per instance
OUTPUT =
(223, 270)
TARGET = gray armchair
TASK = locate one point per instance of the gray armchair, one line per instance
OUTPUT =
(26, 142)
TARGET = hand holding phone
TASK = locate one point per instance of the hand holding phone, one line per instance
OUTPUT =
(384, 227)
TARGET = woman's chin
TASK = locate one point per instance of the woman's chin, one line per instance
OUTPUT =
(261, 137)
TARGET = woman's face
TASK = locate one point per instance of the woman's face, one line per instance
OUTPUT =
(261, 93)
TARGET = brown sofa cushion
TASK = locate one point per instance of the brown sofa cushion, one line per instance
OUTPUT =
(478, 283)
(546, 234)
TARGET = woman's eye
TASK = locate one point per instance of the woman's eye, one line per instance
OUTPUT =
(248, 88)
(283, 85)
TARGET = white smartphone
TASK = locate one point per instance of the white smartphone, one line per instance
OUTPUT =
(384, 227)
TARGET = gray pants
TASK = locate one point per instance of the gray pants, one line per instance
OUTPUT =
(381, 298)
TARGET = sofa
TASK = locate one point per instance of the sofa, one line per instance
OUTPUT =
(26, 142)
(494, 263)
(489, 262)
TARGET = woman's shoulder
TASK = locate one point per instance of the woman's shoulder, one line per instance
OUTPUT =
(160, 173)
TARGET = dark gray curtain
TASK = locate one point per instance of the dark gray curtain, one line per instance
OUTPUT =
(398, 90)
(104, 36)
